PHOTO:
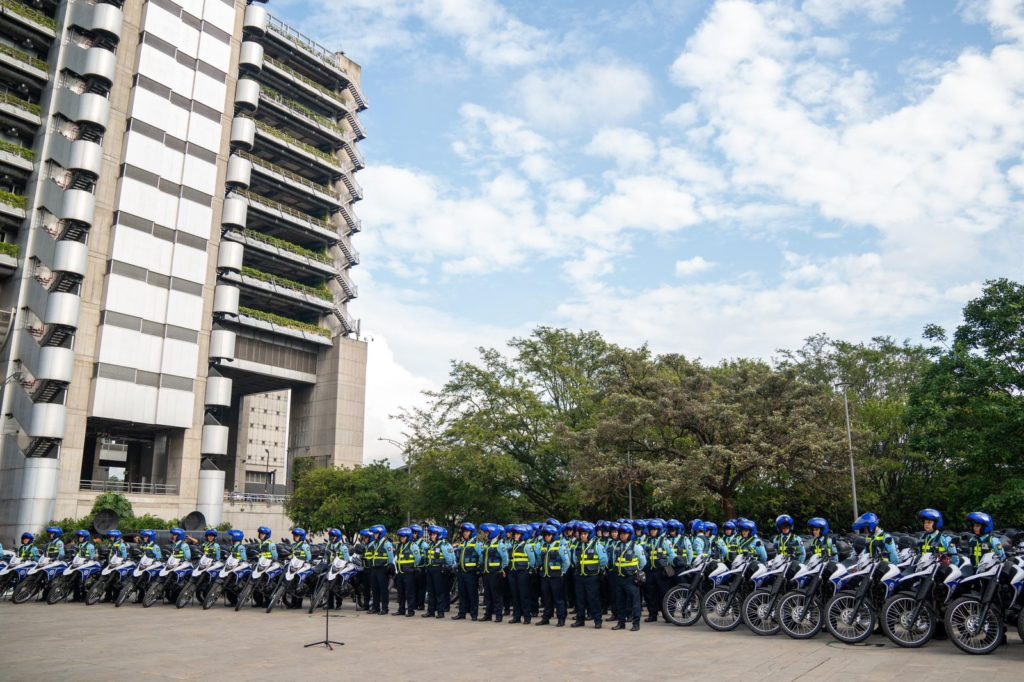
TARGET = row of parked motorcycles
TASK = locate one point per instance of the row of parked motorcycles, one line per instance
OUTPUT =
(921, 597)
(142, 579)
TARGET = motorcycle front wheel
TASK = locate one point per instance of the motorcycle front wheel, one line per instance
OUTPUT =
(212, 595)
(846, 625)
(186, 594)
(153, 592)
(96, 590)
(244, 595)
(58, 590)
(680, 607)
(319, 595)
(759, 613)
(964, 626)
(124, 592)
(27, 589)
(5, 582)
(721, 611)
(798, 616)
(896, 614)
(275, 596)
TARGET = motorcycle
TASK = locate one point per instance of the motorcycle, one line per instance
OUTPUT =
(293, 582)
(910, 616)
(850, 615)
(760, 605)
(117, 570)
(147, 571)
(205, 572)
(337, 579)
(721, 609)
(260, 582)
(976, 621)
(81, 571)
(13, 572)
(799, 610)
(681, 604)
(168, 582)
(230, 580)
(38, 578)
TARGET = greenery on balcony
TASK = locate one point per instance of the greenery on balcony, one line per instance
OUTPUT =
(288, 246)
(327, 92)
(284, 172)
(307, 44)
(12, 199)
(9, 249)
(284, 321)
(273, 95)
(23, 56)
(29, 13)
(270, 203)
(288, 139)
(320, 292)
(17, 150)
(8, 98)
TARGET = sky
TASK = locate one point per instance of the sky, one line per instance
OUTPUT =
(717, 179)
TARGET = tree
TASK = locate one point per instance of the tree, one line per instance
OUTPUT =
(115, 502)
(350, 498)
(968, 411)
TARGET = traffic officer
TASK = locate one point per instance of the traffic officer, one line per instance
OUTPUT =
(437, 563)
(569, 572)
(28, 551)
(749, 542)
(54, 549)
(118, 548)
(180, 549)
(361, 580)
(822, 543)
(210, 548)
(421, 578)
(627, 561)
(521, 563)
(495, 560)
(380, 558)
(589, 561)
(148, 546)
(934, 540)
(469, 552)
(534, 548)
(662, 556)
(983, 541)
(552, 559)
(880, 543)
(680, 543)
(787, 543)
(87, 550)
(727, 542)
(407, 558)
(697, 540)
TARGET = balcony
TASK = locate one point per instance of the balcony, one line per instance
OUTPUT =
(102, 18)
(26, 115)
(278, 256)
(260, 319)
(17, 159)
(222, 345)
(88, 108)
(278, 219)
(92, 63)
(230, 255)
(319, 95)
(250, 57)
(299, 120)
(22, 19)
(24, 68)
(127, 488)
(8, 259)
(307, 153)
(12, 208)
(218, 391)
(281, 294)
(247, 94)
(314, 57)
(243, 133)
(279, 179)
(255, 20)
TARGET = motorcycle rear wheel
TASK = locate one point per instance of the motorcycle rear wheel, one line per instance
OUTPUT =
(794, 605)
(212, 595)
(895, 619)
(276, 596)
(27, 589)
(59, 590)
(153, 592)
(720, 611)
(862, 624)
(962, 614)
(759, 613)
(244, 595)
(96, 590)
(5, 582)
(319, 595)
(124, 592)
(186, 594)
(672, 606)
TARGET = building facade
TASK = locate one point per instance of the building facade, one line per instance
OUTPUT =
(176, 188)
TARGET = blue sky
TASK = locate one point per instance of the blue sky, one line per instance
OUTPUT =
(714, 178)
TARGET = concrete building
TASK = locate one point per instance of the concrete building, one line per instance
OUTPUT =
(262, 455)
(176, 188)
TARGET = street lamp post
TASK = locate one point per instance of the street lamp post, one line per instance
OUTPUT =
(849, 443)
(266, 481)
(408, 466)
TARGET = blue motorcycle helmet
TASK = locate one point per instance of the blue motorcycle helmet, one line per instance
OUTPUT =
(614, 527)
(378, 531)
(405, 533)
(444, 533)
(625, 529)
(982, 519)
(548, 529)
(55, 531)
(674, 524)
(299, 533)
(27, 538)
(434, 530)
(819, 523)
(177, 533)
(640, 526)
(784, 520)
(366, 534)
(656, 524)
(236, 535)
(711, 528)
(148, 535)
(211, 533)
(335, 533)
(931, 515)
(554, 522)
(747, 525)
(113, 534)
(696, 526)
(83, 535)
(867, 521)
(468, 527)
(263, 530)
(585, 527)
(510, 528)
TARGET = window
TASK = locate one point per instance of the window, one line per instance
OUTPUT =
(258, 477)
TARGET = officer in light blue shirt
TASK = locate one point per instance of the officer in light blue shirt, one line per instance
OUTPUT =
(54, 549)
(495, 559)
(590, 560)
(118, 547)
(697, 540)
(148, 546)
(749, 542)
(180, 549)
(300, 548)
(28, 551)
(438, 563)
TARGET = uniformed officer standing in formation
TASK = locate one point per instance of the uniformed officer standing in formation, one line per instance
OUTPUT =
(469, 552)
(379, 561)
(438, 565)
(589, 560)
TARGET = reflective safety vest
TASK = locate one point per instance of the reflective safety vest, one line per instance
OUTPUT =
(149, 549)
(25, 551)
(746, 546)
(335, 550)
(376, 555)
(405, 560)
(54, 547)
(876, 545)
(658, 555)
(492, 557)
(626, 560)
(239, 552)
(435, 554)
(932, 543)
(469, 557)
(979, 546)
(265, 552)
(787, 545)
(116, 547)
(178, 549)
(552, 559)
(519, 559)
(588, 560)
(211, 549)
(730, 542)
(823, 547)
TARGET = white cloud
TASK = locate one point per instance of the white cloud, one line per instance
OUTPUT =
(587, 94)
(830, 12)
(624, 146)
(693, 266)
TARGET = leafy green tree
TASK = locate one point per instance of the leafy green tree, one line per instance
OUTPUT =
(350, 498)
(115, 502)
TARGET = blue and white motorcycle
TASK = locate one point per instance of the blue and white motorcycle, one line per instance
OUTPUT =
(80, 573)
(337, 580)
(723, 606)
(261, 582)
(111, 578)
(294, 583)
(13, 572)
(203, 576)
(912, 614)
(38, 579)
(230, 580)
(760, 605)
(851, 615)
(147, 570)
(168, 582)
(989, 599)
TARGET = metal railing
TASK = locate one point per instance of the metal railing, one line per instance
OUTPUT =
(270, 203)
(6, 97)
(332, 94)
(128, 487)
(286, 139)
(300, 111)
(28, 13)
(235, 496)
(294, 177)
(305, 42)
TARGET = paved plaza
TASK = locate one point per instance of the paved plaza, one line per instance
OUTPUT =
(103, 643)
